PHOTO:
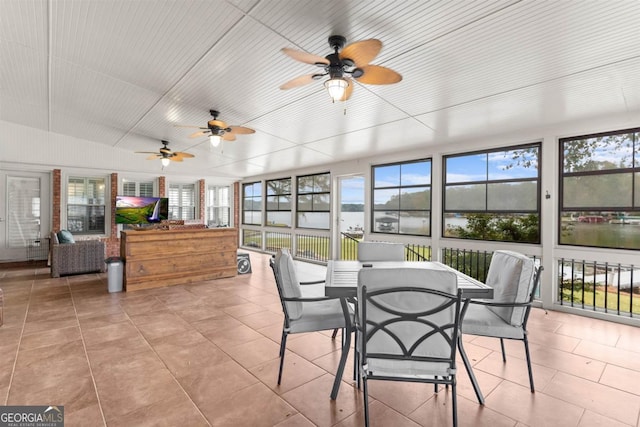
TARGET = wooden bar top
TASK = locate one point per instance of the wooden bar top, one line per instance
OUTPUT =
(155, 258)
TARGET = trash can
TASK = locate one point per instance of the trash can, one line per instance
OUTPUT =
(114, 273)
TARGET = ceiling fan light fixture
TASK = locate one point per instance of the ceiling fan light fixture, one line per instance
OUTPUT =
(215, 140)
(336, 87)
(165, 161)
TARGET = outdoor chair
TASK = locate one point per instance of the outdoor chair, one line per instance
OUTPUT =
(514, 278)
(304, 314)
(380, 251)
(408, 326)
(74, 257)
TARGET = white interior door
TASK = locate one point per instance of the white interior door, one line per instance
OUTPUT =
(24, 215)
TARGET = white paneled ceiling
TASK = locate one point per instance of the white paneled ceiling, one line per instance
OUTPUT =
(124, 73)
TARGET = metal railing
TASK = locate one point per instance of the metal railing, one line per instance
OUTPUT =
(348, 247)
(415, 252)
(472, 263)
(252, 238)
(275, 240)
(312, 248)
(599, 286)
(603, 287)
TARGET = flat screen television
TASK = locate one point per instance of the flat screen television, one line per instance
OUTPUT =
(141, 210)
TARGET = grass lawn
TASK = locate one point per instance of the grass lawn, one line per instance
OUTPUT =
(629, 303)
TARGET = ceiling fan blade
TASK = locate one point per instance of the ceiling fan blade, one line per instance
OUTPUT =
(348, 91)
(298, 81)
(183, 155)
(240, 130)
(175, 158)
(378, 75)
(153, 157)
(362, 52)
(305, 57)
(228, 136)
(199, 134)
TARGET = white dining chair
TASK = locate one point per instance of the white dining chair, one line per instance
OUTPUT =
(514, 278)
(380, 251)
(304, 314)
(408, 325)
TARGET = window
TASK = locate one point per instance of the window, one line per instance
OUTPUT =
(279, 202)
(182, 201)
(86, 205)
(493, 195)
(314, 195)
(133, 188)
(402, 198)
(219, 208)
(252, 203)
(600, 190)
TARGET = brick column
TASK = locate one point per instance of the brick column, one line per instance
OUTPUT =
(202, 200)
(112, 242)
(162, 183)
(55, 202)
(114, 193)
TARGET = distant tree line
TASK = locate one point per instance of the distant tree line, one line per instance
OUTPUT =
(352, 207)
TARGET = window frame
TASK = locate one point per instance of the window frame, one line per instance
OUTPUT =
(400, 187)
(141, 188)
(277, 196)
(86, 219)
(496, 213)
(181, 208)
(215, 204)
(633, 171)
(312, 194)
(252, 198)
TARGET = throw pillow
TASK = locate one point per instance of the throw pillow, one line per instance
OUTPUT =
(65, 236)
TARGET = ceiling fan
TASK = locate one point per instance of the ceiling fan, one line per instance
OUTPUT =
(166, 155)
(344, 64)
(219, 130)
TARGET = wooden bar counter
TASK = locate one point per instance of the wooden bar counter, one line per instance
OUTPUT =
(156, 258)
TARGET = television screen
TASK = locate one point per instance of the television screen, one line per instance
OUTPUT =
(141, 210)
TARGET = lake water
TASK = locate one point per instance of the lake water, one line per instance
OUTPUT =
(351, 219)
(583, 234)
(320, 220)
(625, 236)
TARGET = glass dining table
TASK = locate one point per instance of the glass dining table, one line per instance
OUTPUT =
(342, 282)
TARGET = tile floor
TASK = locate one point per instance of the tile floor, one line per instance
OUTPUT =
(206, 354)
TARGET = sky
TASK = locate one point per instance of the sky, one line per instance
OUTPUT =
(486, 166)
(352, 190)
